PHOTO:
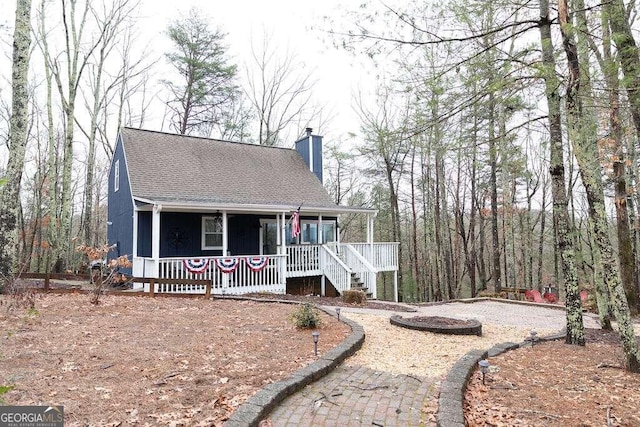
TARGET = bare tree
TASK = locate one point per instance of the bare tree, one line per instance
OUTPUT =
(280, 91)
(10, 202)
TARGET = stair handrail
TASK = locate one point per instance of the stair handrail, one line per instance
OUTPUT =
(335, 270)
(362, 267)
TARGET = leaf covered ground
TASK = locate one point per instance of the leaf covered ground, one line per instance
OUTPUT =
(147, 362)
(555, 384)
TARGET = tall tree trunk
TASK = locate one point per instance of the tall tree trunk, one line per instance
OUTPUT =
(625, 247)
(575, 327)
(581, 128)
(10, 203)
(493, 182)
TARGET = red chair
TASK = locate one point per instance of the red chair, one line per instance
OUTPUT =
(584, 296)
(533, 295)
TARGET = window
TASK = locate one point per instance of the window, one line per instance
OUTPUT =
(211, 232)
(309, 232)
(116, 176)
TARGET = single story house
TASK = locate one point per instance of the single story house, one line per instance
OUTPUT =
(250, 218)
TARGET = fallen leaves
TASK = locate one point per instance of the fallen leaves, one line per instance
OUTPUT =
(163, 361)
(555, 384)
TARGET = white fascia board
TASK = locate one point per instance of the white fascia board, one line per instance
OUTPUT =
(238, 207)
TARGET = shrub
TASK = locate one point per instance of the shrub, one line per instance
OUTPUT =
(305, 317)
(106, 275)
(354, 296)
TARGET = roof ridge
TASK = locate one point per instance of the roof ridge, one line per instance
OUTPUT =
(204, 138)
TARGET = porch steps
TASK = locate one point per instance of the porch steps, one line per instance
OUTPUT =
(358, 285)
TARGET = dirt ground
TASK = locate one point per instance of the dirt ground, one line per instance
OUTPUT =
(147, 362)
(555, 384)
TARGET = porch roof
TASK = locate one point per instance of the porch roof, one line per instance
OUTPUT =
(180, 206)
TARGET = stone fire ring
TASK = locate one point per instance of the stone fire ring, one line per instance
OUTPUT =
(439, 325)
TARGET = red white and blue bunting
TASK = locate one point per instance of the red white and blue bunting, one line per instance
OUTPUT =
(196, 265)
(256, 263)
(227, 265)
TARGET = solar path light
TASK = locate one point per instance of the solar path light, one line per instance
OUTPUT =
(484, 367)
(315, 335)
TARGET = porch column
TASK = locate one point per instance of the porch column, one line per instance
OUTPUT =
(395, 285)
(134, 251)
(337, 237)
(278, 235)
(319, 231)
(155, 239)
(225, 232)
(283, 248)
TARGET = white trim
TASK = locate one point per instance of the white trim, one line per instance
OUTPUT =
(116, 176)
(134, 249)
(203, 239)
(246, 207)
(155, 238)
(225, 234)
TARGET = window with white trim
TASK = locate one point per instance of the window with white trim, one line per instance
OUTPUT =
(309, 231)
(116, 176)
(211, 232)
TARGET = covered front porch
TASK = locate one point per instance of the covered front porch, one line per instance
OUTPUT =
(244, 251)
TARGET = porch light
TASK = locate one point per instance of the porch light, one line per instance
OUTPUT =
(315, 335)
(338, 312)
(484, 367)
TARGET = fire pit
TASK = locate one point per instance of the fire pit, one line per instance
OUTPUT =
(439, 325)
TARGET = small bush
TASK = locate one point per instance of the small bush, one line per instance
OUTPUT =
(354, 296)
(305, 317)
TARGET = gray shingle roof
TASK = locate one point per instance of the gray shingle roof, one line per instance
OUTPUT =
(179, 168)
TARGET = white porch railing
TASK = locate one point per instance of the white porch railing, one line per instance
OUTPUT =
(242, 280)
(335, 270)
(303, 260)
(382, 256)
(361, 267)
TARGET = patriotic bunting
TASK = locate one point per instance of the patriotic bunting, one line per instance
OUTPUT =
(196, 266)
(227, 265)
(256, 263)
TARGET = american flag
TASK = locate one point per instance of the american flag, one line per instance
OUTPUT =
(295, 224)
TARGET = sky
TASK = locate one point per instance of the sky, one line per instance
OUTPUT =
(294, 25)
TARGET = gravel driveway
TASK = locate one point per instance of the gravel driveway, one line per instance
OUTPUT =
(521, 314)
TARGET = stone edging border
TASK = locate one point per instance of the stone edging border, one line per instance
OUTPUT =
(472, 326)
(258, 406)
(450, 403)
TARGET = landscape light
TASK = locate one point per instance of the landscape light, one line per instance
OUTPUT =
(533, 336)
(315, 335)
(338, 312)
(484, 367)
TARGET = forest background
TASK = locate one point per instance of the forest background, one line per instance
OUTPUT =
(498, 140)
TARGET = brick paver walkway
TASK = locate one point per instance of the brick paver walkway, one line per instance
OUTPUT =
(357, 396)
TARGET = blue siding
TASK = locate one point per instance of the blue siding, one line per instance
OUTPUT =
(181, 235)
(316, 146)
(302, 147)
(120, 208)
(144, 233)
